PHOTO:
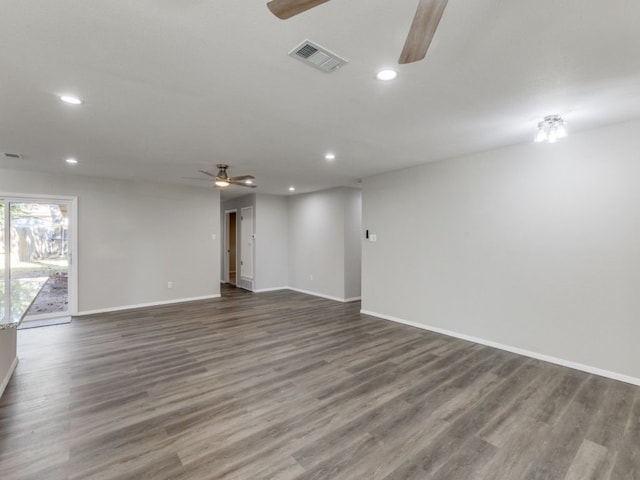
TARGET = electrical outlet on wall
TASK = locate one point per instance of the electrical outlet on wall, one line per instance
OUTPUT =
(169, 284)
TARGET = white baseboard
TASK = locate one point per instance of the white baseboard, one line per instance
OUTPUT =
(309, 292)
(151, 304)
(316, 294)
(274, 289)
(5, 380)
(527, 353)
(352, 299)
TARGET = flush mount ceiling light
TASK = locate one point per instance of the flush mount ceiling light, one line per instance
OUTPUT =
(330, 157)
(73, 100)
(71, 161)
(551, 129)
(386, 75)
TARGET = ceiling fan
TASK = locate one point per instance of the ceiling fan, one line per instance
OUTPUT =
(422, 29)
(221, 179)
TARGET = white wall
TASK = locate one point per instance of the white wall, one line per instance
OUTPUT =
(135, 237)
(308, 242)
(534, 247)
(320, 241)
(352, 243)
(272, 242)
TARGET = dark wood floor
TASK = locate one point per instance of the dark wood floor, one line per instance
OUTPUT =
(287, 386)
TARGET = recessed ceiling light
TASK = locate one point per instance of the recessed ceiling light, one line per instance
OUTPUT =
(71, 161)
(292, 189)
(71, 99)
(386, 75)
(330, 156)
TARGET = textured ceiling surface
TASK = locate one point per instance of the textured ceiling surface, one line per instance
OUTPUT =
(173, 86)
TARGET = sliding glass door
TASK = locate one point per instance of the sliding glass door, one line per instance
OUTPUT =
(36, 244)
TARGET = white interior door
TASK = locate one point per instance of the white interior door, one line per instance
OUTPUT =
(247, 240)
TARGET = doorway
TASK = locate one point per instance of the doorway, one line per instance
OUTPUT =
(36, 245)
(231, 247)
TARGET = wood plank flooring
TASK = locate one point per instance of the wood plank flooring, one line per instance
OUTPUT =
(283, 385)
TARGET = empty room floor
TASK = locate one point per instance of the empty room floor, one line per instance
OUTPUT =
(283, 385)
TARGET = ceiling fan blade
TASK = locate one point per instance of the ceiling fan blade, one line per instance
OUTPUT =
(288, 8)
(241, 183)
(242, 178)
(207, 173)
(423, 28)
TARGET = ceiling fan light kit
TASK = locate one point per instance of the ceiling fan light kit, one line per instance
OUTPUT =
(71, 99)
(551, 129)
(423, 28)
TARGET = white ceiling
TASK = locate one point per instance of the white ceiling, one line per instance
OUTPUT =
(173, 86)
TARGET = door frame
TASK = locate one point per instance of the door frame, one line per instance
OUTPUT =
(226, 266)
(250, 255)
(72, 202)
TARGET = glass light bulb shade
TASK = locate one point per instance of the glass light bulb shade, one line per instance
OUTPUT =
(561, 132)
(221, 183)
(553, 136)
(541, 136)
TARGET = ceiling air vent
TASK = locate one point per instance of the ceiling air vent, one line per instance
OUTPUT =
(13, 155)
(316, 56)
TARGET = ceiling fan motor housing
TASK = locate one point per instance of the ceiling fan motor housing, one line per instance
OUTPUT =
(222, 171)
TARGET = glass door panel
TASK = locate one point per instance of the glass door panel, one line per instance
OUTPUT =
(39, 248)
